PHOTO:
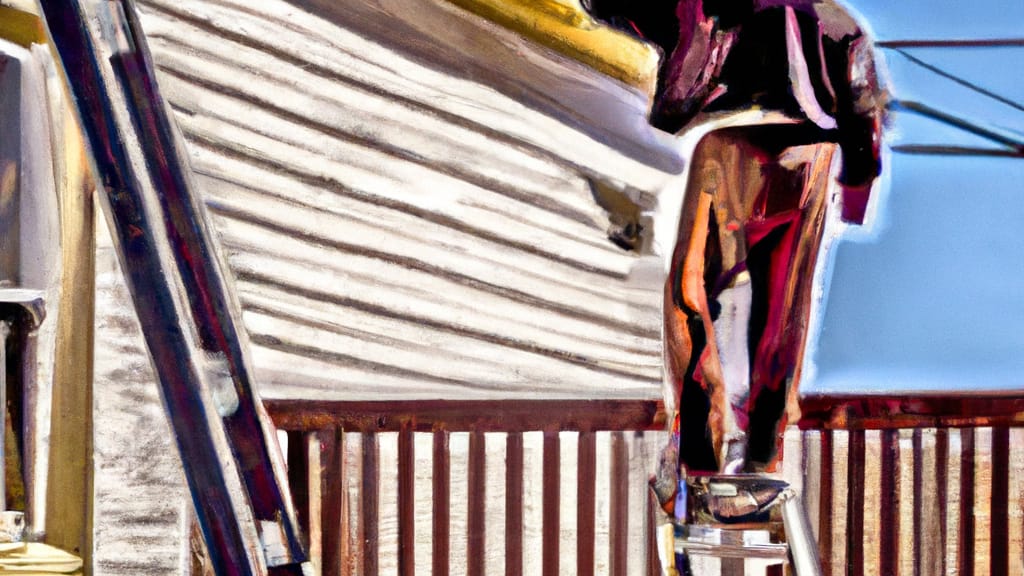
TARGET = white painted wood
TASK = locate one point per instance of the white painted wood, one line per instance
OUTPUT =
(141, 501)
(403, 194)
(390, 217)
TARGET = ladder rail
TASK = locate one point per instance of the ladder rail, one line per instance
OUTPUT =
(231, 459)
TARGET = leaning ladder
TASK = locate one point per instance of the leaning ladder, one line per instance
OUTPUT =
(230, 455)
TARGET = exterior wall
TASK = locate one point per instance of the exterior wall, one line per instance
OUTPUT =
(404, 217)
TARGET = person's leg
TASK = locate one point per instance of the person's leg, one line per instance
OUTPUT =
(785, 240)
(745, 267)
(732, 339)
(686, 338)
(707, 303)
(687, 322)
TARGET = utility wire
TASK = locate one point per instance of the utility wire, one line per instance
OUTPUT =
(943, 150)
(979, 89)
(990, 43)
(956, 122)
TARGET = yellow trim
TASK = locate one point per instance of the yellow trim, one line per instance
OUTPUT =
(21, 28)
(70, 489)
(564, 27)
(34, 559)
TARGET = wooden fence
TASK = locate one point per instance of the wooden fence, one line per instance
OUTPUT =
(479, 487)
(521, 487)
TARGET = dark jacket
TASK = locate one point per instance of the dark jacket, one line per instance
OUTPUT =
(736, 55)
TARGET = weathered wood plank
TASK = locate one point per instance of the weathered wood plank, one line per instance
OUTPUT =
(141, 498)
(966, 538)
(392, 165)
(650, 542)
(551, 506)
(406, 502)
(467, 415)
(476, 525)
(333, 517)
(618, 522)
(586, 481)
(941, 490)
(298, 465)
(1015, 504)
(855, 505)
(442, 496)
(983, 514)
(370, 520)
(70, 505)
(929, 477)
(889, 512)
(1000, 495)
(514, 504)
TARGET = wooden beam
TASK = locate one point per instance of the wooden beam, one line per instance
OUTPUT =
(860, 412)
(467, 415)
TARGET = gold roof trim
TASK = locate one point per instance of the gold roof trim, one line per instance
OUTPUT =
(563, 26)
(20, 27)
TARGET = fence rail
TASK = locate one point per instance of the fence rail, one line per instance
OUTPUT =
(519, 487)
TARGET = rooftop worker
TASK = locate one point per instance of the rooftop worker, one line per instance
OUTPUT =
(738, 293)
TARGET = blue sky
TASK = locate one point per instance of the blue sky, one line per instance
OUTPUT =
(934, 300)
(947, 19)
